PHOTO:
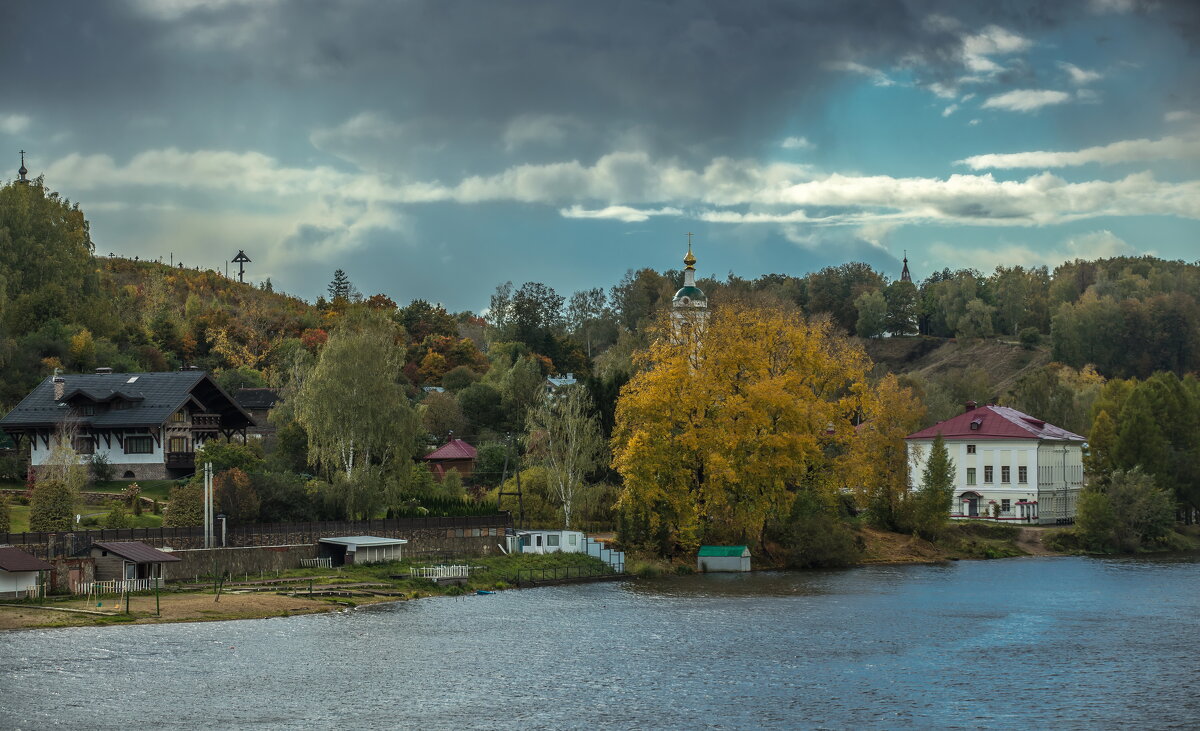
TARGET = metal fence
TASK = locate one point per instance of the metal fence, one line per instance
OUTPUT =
(459, 571)
(558, 572)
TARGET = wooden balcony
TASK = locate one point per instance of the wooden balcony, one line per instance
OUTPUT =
(181, 460)
(206, 422)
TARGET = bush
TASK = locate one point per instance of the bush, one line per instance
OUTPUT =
(815, 535)
(117, 517)
(1030, 337)
(102, 471)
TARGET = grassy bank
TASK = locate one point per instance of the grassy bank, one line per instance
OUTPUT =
(300, 591)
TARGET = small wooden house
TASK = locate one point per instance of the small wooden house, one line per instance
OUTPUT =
(723, 558)
(20, 573)
(134, 562)
(454, 455)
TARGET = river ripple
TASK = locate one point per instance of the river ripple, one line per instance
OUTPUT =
(1020, 643)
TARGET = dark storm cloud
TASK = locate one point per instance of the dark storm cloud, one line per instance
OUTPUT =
(690, 79)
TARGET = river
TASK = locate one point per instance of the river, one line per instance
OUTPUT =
(1017, 643)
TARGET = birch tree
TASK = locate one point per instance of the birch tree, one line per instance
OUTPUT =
(352, 405)
(564, 430)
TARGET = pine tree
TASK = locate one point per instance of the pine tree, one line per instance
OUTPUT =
(340, 286)
(1102, 443)
(932, 501)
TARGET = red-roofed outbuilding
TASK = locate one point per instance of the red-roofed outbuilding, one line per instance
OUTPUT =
(454, 455)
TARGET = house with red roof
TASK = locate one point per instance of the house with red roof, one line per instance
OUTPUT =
(1008, 465)
(453, 455)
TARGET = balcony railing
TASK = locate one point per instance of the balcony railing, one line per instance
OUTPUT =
(181, 460)
(206, 422)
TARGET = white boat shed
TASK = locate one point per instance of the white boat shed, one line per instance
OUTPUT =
(360, 549)
(723, 558)
(547, 541)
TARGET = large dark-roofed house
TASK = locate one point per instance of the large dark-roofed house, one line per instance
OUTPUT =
(147, 425)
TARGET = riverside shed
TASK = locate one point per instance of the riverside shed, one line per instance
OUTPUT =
(723, 558)
(129, 561)
(360, 549)
(19, 572)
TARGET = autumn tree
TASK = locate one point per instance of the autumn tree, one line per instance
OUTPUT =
(564, 434)
(891, 414)
(715, 434)
(186, 506)
(61, 477)
(5, 514)
(234, 495)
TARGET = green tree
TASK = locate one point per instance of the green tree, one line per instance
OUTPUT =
(118, 516)
(52, 506)
(353, 407)
(442, 416)
(340, 286)
(901, 308)
(564, 434)
(872, 314)
(226, 455)
(1099, 462)
(976, 320)
(929, 508)
(5, 514)
(1095, 520)
(186, 506)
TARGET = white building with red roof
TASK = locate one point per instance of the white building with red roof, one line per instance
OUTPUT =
(1008, 465)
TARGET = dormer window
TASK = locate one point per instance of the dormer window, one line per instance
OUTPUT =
(975, 424)
(118, 404)
(87, 410)
(179, 417)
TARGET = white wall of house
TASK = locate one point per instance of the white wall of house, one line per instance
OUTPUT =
(550, 541)
(11, 581)
(39, 453)
(1034, 474)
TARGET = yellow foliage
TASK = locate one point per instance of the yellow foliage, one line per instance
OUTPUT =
(716, 432)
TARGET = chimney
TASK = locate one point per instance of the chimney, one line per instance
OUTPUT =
(60, 387)
(970, 406)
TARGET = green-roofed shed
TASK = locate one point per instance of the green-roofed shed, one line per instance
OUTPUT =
(723, 558)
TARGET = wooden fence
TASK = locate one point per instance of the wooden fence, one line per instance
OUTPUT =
(117, 586)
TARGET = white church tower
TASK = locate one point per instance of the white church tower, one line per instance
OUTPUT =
(689, 306)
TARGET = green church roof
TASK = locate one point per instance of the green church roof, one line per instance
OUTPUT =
(716, 551)
(694, 293)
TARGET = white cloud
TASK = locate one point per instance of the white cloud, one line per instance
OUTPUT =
(877, 77)
(991, 41)
(973, 122)
(176, 9)
(1179, 115)
(1167, 148)
(1026, 100)
(797, 143)
(1079, 76)
(618, 213)
(1112, 6)
(14, 124)
(1093, 245)
(949, 110)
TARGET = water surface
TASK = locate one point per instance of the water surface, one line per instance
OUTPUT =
(1019, 643)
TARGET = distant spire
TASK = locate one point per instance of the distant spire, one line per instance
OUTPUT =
(22, 171)
(904, 275)
(689, 261)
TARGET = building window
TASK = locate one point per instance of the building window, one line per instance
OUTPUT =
(87, 410)
(987, 474)
(1022, 475)
(178, 444)
(1006, 475)
(179, 417)
(119, 404)
(1005, 505)
(970, 475)
(573, 537)
(970, 449)
(139, 445)
(552, 540)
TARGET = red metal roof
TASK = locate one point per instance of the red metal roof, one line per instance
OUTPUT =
(996, 422)
(137, 552)
(455, 449)
(14, 559)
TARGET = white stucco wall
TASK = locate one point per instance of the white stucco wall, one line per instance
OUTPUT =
(569, 541)
(38, 453)
(1044, 475)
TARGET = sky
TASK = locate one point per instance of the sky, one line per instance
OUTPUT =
(434, 149)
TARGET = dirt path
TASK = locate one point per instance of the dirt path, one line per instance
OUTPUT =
(1030, 541)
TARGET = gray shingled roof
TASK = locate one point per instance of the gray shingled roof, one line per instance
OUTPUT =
(153, 398)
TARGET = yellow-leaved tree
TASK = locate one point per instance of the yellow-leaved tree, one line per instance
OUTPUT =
(727, 420)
